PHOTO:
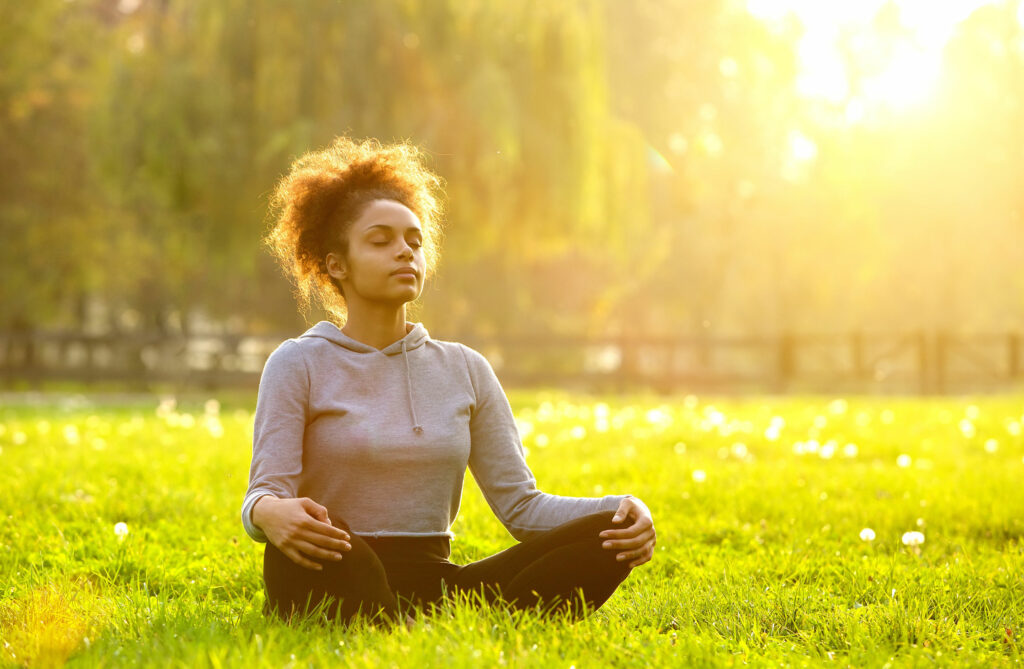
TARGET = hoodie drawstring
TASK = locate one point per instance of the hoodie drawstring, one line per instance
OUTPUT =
(416, 427)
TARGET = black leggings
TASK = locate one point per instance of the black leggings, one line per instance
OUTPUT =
(563, 570)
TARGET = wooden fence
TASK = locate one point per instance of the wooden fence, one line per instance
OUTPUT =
(926, 363)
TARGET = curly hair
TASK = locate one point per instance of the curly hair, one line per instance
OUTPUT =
(325, 191)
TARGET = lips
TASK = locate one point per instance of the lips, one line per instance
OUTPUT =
(405, 271)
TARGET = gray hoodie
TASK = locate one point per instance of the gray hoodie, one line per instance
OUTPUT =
(382, 438)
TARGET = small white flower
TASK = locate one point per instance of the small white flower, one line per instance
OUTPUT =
(121, 530)
(71, 434)
(699, 475)
(913, 538)
(867, 534)
(991, 446)
(903, 460)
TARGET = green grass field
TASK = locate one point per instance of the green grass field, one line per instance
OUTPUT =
(759, 505)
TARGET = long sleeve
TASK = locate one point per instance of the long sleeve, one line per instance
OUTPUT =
(499, 466)
(282, 406)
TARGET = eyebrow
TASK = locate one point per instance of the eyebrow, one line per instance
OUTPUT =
(390, 228)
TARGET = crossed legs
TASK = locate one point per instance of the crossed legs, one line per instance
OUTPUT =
(562, 570)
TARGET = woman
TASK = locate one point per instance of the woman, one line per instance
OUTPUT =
(363, 433)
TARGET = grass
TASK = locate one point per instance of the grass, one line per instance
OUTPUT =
(759, 559)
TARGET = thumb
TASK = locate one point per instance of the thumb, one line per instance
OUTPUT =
(621, 513)
(316, 510)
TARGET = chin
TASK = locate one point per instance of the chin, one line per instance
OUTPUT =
(407, 296)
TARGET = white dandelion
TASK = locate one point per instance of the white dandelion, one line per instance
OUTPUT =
(699, 475)
(913, 539)
(867, 534)
(121, 530)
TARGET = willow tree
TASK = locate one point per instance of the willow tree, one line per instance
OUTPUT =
(52, 251)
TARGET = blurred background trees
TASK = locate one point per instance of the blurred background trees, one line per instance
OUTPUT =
(666, 166)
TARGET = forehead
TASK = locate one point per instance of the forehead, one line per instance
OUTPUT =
(387, 213)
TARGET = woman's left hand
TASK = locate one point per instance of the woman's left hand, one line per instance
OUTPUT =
(635, 541)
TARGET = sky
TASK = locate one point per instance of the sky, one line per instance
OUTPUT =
(900, 74)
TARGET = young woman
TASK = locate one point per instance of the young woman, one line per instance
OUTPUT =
(363, 432)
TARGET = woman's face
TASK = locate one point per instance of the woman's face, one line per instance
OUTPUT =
(385, 256)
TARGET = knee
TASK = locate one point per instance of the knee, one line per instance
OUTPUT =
(596, 523)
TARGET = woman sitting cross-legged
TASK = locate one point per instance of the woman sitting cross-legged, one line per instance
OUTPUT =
(365, 426)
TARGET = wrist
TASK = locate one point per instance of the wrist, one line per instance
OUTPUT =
(259, 509)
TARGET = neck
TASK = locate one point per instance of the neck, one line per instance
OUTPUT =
(376, 325)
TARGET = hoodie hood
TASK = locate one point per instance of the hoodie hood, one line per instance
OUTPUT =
(416, 337)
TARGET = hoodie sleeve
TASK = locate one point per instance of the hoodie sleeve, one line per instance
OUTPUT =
(499, 466)
(282, 406)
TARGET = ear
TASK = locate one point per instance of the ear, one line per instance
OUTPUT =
(336, 266)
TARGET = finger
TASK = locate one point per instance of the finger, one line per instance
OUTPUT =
(325, 541)
(633, 554)
(642, 560)
(301, 560)
(325, 528)
(623, 511)
(312, 550)
(318, 511)
(629, 541)
(636, 528)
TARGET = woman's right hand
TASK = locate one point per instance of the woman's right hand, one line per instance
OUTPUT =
(300, 528)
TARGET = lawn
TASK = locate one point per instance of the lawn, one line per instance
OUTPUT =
(121, 543)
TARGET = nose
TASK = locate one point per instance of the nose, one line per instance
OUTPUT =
(405, 251)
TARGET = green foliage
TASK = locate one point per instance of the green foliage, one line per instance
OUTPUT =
(610, 165)
(759, 561)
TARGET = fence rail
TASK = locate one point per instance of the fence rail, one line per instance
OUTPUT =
(904, 362)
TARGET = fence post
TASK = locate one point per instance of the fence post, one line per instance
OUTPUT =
(625, 363)
(923, 369)
(1013, 346)
(785, 362)
(941, 346)
(857, 353)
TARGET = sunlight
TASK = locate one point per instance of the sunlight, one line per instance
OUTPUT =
(802, 147)
(911, 76)
(899, 71)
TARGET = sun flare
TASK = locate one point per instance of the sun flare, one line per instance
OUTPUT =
(899, 62)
